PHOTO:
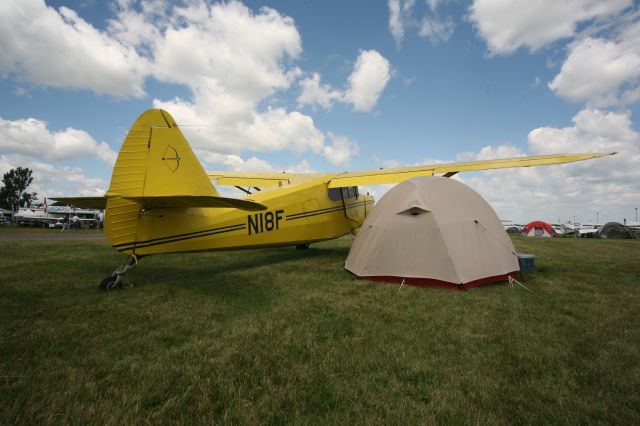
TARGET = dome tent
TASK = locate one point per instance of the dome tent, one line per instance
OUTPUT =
(537, 228)
(615, 230)
(436, 232)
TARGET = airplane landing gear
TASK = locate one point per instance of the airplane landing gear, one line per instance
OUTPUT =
(115, 280)
(110, 283)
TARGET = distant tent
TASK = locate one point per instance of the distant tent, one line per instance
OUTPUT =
(512, 229)
(436, 232)
(5, 215)
(538, 228)
(615, 230)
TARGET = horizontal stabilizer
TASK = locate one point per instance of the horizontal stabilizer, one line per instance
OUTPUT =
(82, 202)
(187, 201)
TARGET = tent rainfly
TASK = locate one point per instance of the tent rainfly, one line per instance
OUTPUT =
(615, 230)
(434, 232)
(537, 228)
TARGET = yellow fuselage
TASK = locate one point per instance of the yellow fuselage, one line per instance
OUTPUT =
(298, 213)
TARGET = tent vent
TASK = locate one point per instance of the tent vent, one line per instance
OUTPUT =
(414, 211)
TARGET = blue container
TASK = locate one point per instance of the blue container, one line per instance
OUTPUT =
(527, 263)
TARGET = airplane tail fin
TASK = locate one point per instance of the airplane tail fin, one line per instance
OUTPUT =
(156, 160)
(156, 169)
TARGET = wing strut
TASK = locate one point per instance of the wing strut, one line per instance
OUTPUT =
(246, 191)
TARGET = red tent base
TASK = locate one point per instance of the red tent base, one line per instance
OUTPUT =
(429, 282)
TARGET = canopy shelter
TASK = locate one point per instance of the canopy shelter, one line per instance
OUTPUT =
(615, 230)
(538, 228)
(433, 231)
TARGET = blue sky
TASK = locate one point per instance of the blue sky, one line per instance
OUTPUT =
(331, 86)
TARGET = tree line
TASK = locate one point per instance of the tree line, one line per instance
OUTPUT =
(13, 192)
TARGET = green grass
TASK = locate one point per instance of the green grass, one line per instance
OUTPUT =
(11, 229)
(286, 336)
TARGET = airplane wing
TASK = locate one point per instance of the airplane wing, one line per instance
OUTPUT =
(373, 177)
(185, 201)
(260, 180)
(587, 231)
(167, 202)
(82, 202)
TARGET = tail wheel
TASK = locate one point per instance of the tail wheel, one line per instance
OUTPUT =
(115, 280)
(110, 283)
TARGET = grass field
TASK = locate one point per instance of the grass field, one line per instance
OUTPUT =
(9, 229)
(286, 336)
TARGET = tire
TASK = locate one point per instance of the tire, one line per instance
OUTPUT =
(109, 283)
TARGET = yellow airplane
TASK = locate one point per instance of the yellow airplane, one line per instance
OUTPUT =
(161, 200)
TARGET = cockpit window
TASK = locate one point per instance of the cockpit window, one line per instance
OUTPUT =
(338, 194)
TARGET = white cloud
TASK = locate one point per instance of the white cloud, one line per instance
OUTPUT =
(232, 59)
(596, 69)
(276, 129)
(31, 137)
(252, 164)
(139, 29)
(224, 49)
(223, 46)
(390, 163)
(491, 153)
(51, 180)
(605, 185)
(593, 131)
(436, 30)
(396, 26)
(315, 93)
(408, 81)
(377, 191)
(340, 151)
(509, 25)
(433, 4)
(227, 47)
(30, 143)
(399, 14)
(431, 27)
(370, 75)
(58, 48)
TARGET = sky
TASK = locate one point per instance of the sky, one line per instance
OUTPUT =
(329, 86)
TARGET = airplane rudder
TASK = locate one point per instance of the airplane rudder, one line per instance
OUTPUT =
(172, 166)
(156, 159)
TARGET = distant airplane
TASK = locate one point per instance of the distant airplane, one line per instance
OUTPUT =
(577, 229)
(34, 215)
(51, 216)
(161, 200)
(587, 231)
(510, 227)
(569, 228)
